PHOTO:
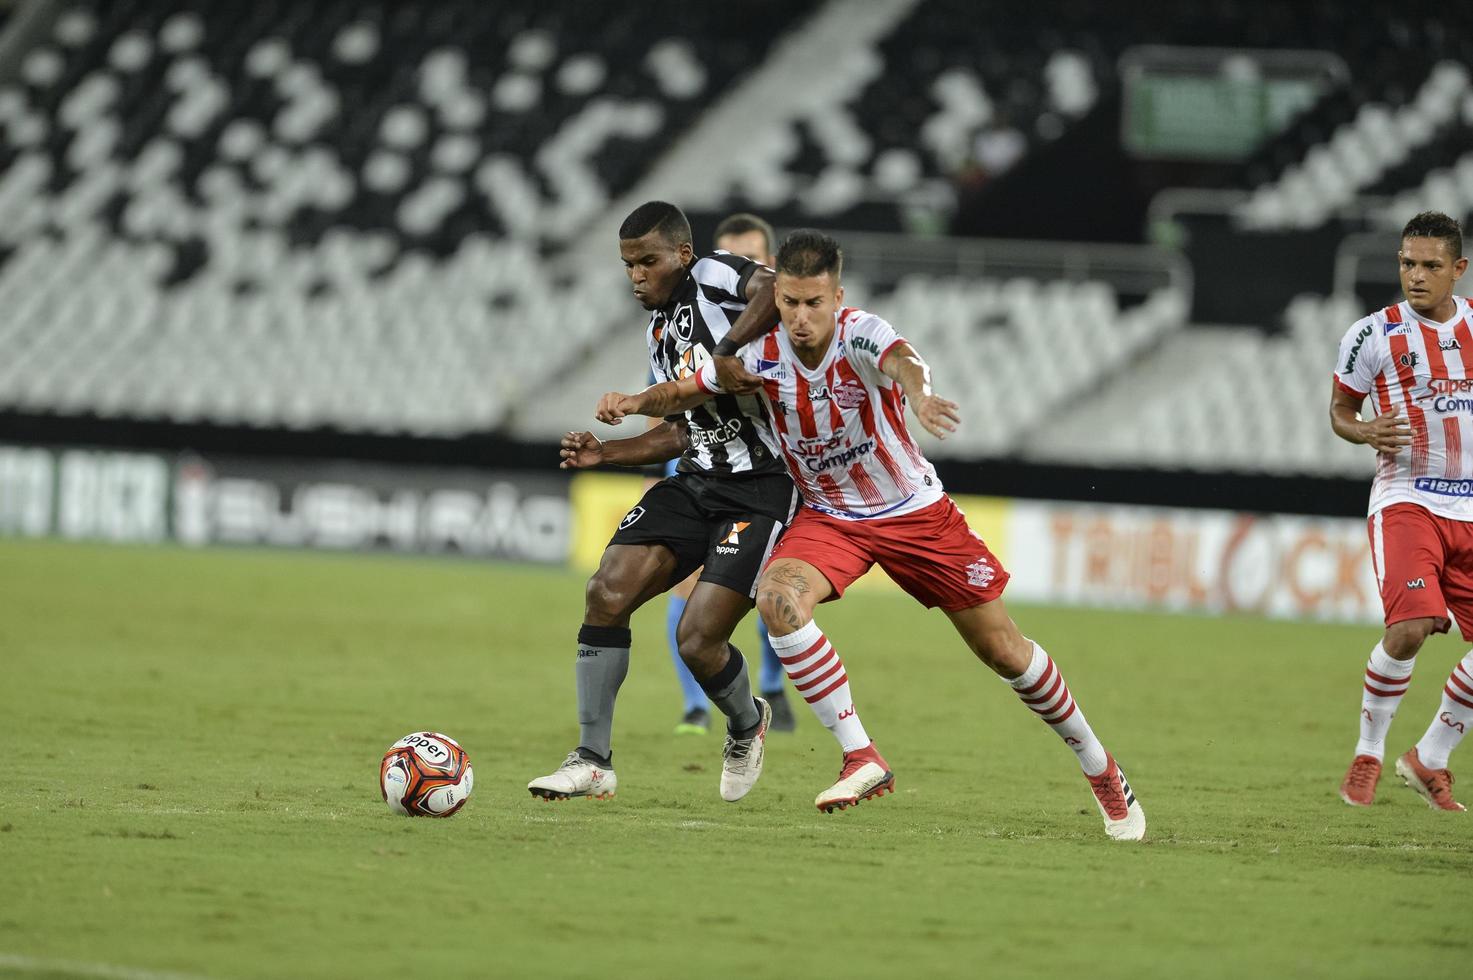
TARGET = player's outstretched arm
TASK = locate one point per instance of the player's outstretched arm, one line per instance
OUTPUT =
(904, 366)
(656, 401)
(755, 321)
(1388, 433)
(580, 450)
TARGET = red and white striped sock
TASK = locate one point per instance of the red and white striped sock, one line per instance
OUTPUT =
(1386, 683)
(818, 674)
(1041, 687)
(1454, 717)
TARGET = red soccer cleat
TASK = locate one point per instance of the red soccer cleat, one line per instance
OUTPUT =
(865, 774)
(1358, 788)
(1434, 785)
(1124, 818)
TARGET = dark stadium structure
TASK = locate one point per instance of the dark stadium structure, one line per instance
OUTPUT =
(382, 231)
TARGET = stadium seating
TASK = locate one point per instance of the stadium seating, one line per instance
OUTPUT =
(1364, 151)
(193, 228)
(1017, 352)
(1447, 181)
(1228, 399)
(957, 92)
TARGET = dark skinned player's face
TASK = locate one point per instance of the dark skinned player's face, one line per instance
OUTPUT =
(654, 266)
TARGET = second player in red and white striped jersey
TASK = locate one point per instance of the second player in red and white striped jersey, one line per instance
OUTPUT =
(841, 425)
(1415, 362)
(1422, 370)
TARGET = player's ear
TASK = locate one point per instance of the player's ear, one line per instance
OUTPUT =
(1460, 267)
(839, 295)
(686, 253)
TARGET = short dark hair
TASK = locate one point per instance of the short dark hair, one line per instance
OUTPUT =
(1435, 224)
(808, 252)
(659, 216)
(743, 222)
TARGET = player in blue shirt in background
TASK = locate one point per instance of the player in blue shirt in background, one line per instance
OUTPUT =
(749, 236)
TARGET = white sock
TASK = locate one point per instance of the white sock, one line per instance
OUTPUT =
(818, 674)
(1041, 687)
(1454, 717)
(1386, 683)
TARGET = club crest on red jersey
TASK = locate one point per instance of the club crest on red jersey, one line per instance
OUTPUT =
(849, 395)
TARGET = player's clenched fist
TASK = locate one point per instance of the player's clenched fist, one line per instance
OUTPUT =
(581, 450)
(613, 406)
(938, 415)
(733, 376)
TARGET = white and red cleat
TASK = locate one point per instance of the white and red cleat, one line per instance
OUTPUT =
(1358, 788)
(1124, 818)
(577, 776)
(1433, 785)
(864, 775)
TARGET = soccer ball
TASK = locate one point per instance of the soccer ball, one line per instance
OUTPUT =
(425, 774)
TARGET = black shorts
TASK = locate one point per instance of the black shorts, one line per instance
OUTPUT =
(729, 526)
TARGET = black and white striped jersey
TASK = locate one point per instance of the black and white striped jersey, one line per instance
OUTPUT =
(730, 435)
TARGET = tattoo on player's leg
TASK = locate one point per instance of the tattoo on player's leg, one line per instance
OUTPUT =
(787, 613)
(792, 577)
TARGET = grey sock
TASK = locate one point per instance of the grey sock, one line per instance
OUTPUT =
(603, 661)
(731, 691)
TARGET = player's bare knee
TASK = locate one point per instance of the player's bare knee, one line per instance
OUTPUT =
(702, 649)
(606, 600)
(1404, 639)
(780, 606)
(769, 600)
(1004, 650)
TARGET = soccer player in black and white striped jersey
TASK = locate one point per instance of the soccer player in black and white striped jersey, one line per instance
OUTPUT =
(750, 236)
(723, 511)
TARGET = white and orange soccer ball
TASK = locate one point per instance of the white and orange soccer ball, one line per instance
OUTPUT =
(426, 774)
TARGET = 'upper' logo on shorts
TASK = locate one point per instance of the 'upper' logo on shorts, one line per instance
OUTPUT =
(1417, 583)
(631, 517)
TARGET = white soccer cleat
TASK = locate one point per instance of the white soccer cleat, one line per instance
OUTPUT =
(577, 776)
(741, 759)
(1124, 818)
(864, 774)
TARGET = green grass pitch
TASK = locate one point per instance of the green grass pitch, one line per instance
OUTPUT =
(190, 788)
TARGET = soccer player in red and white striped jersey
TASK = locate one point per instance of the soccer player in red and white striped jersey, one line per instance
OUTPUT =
(1415, 361)
(837, 382)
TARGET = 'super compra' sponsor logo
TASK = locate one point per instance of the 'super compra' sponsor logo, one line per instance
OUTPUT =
(1450, 395)
(843, 458)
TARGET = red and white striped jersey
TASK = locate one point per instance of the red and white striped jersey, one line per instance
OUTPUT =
(841, 425)
(1424, 369)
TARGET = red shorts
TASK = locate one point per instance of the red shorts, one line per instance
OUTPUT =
(932, 554)
(1424, 565)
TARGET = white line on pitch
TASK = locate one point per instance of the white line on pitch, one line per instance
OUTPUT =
(107, 971)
